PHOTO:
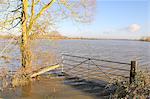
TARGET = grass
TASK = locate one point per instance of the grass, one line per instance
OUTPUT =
(10, 81)
(139, 89)
(20, 78)
(3, 78)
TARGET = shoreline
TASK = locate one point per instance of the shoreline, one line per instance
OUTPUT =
(66, 38)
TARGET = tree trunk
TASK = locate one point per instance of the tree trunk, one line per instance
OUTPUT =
(25, 51)
(25, 48)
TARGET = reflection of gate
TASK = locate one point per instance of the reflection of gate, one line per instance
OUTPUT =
(92, 68)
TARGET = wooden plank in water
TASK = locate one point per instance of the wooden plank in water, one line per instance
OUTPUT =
(43, 70)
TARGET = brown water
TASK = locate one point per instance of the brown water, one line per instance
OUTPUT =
(48, 88)
(55, 88)
(118, 50)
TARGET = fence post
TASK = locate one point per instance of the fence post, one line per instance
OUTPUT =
(133, 71)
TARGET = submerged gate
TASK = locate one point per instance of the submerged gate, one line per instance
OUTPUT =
(97, 69)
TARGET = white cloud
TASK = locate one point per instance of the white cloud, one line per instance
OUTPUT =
(131, 28)
(134, 27)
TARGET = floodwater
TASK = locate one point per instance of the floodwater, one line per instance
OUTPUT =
(47, 52)
(116, 50)
(46, 88)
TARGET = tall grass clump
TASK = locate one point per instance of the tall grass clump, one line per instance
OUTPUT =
(139, 89)
(20, 78)
(8, 80)
(4, 75)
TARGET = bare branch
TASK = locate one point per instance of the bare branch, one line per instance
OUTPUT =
(40, 13)
(17, 9)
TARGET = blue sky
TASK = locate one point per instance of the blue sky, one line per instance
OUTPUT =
(113, 19)
(128, 19)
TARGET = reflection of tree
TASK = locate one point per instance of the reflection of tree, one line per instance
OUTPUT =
(26, 90)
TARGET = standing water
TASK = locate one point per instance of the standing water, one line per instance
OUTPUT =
(116, 50)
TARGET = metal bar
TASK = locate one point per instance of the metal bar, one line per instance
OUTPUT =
(118, 75)
(70, 65)
(98, 65)
(62, 66)
(77, 65)
(93, 75)
(108, 73)
(101, 70)
(89, 58)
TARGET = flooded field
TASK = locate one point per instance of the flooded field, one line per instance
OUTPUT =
(117, 50)
(47, 52)
(49, 88)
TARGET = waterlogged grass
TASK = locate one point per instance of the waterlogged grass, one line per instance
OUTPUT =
(3, 78)
(21, 78)
(7, 80)
(39, 57)
(139, 89)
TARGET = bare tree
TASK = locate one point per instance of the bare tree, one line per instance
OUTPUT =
(27, 13)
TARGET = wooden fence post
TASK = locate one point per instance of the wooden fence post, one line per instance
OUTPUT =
(133, 71)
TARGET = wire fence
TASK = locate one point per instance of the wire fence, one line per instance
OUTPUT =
(93, 68)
